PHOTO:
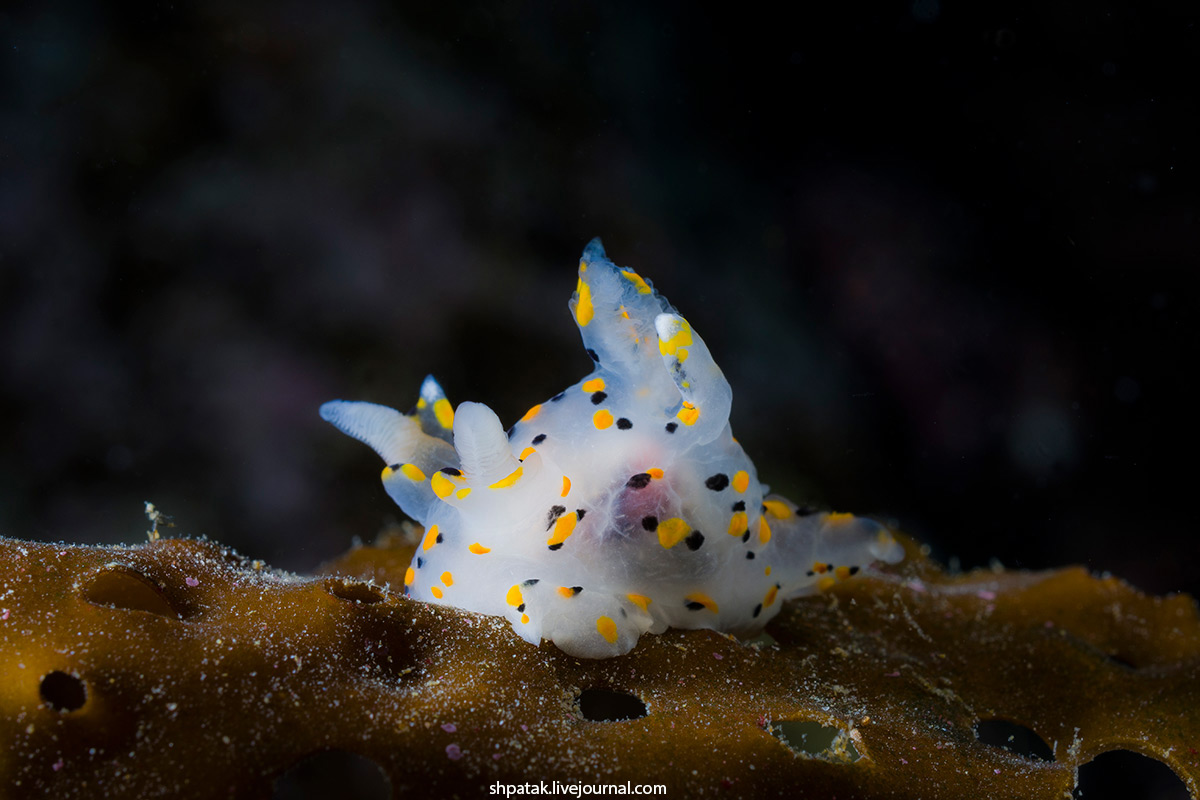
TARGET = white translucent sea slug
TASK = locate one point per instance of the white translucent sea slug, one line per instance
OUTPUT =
(619, 506)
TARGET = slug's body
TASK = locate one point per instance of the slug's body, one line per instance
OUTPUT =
(619, 506)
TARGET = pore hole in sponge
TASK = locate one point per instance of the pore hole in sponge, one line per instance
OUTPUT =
(120, 586)
(1123, 774)
(333, 773)
(355, 591)
(810, 738)
(610, 705)
(1013, 737)
(63, 691)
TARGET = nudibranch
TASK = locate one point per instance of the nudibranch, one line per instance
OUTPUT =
(619, 506)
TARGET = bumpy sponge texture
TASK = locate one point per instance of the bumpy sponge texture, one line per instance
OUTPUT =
(179, 668)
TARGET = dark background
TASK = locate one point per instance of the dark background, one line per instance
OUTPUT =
(944, 252)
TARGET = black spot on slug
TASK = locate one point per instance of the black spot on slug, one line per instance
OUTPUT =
(694, 540)
(650, 523)
(639, 481)
(592, 355)
(557, 397)
(717, 482)
(451, 471)
(598, 398)
(554, 513)
(624, 424)
(740, 505)
(541, 437)
(671, 426)
(758, 609)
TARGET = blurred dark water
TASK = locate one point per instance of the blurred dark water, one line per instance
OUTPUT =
(945, 253)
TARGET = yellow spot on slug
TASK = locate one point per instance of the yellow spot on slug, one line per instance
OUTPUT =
(566, 486)
(826, 583)
(583, 306)
(479, 549)
(682, 337)
(441, 485)
(636, 280)
(436, 592)
(526, 453)
(431, 537)
(410, 576)
(607, 628)
(771, 594)
(421, 404)
(509, 479)
(841, 573)
(777, 509)
(764, 531)
(681, 354)
(602, 419)
(566, 591)
(838, 520)
(655, 472)
(741, 481)
(444, 413)
(739, 523)
(594, 385)
(688, 414)
(563, 528)
(447, 578)
(820, 568)
(639, 600)
(461, 494)
(672, 531)
(702, 599)
(524, 619)
(531, 413)
(412, 472)
(514, 597)
(767, 572)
